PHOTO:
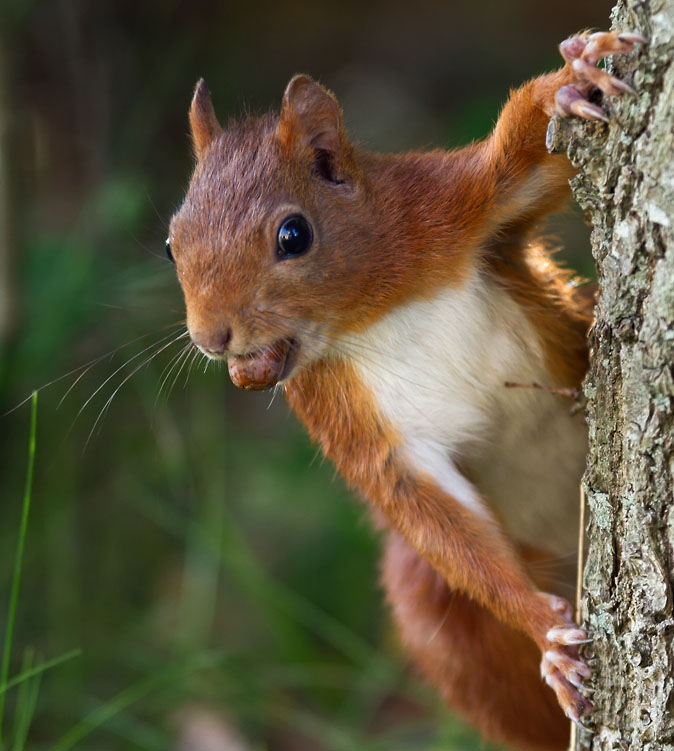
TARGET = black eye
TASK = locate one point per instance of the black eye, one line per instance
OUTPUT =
(169, 255)
(294, 237)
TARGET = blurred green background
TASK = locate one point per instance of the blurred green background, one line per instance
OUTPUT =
(184, 536)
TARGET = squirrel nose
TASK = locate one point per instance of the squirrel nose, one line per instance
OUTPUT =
(212, 343)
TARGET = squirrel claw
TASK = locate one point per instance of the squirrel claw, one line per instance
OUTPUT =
(589, 111)
(602, 80)
(576, 721)
(583, 53)
(567, 635)
(561, 666)
(569, 101)
(604, 43)
(574, 704)
(567, 665)
(632, 38)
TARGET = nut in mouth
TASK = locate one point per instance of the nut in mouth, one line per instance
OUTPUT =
(265, 367)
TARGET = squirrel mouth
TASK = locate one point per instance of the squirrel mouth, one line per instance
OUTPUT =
(265, 367)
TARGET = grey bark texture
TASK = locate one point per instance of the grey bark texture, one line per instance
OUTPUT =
(625, 186)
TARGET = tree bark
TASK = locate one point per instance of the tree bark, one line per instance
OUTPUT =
(626, 187)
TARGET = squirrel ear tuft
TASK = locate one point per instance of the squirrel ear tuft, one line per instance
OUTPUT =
(311, 114)
(203, 122)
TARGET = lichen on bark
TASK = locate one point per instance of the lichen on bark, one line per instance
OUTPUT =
(625, 185)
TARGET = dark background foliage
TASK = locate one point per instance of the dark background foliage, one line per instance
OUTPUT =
(184, 535)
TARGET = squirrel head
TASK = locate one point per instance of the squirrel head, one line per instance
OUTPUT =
(271, 243)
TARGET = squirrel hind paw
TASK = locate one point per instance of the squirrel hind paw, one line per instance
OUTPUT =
(582, 53)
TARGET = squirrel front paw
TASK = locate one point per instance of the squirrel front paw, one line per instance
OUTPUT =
(561, 666)
(582, 53)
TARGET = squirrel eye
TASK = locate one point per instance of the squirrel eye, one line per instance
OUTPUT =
(169, 255)
(294, 237)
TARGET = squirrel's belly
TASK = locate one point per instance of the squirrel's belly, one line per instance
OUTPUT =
(437, 370)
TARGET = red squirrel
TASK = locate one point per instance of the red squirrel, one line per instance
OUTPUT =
(392, 297)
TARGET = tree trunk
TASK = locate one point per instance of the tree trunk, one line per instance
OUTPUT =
(626, 187)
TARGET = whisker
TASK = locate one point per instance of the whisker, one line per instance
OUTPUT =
(277, 388)
(131, 359)
(554, 562)
(184, 358)
(130, 375)
(85, 366)
(161, 218)
(75, 382)
(166, 372)
(195, 357)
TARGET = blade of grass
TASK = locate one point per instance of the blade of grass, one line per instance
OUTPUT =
(145, 736)
(22, 703)
(25, 675)
(131, 695)
(26, 703)
(236, 555)
(18, 560)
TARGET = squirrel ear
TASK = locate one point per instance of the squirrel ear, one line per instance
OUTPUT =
(203, 122)
(311, 114)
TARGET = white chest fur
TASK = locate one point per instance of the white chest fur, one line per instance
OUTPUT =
(438, 369)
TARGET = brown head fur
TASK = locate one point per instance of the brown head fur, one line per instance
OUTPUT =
(386, 228)
(379, 234)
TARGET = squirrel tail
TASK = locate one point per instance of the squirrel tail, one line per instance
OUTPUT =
(488, 672)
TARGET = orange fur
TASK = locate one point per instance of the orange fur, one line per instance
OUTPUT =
(445, 596)
(390, 230)
(470, 553)
(483, 668)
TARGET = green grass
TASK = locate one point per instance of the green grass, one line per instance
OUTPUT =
(272, 617)
(28, 680)
(129, 696)
(27, 697)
